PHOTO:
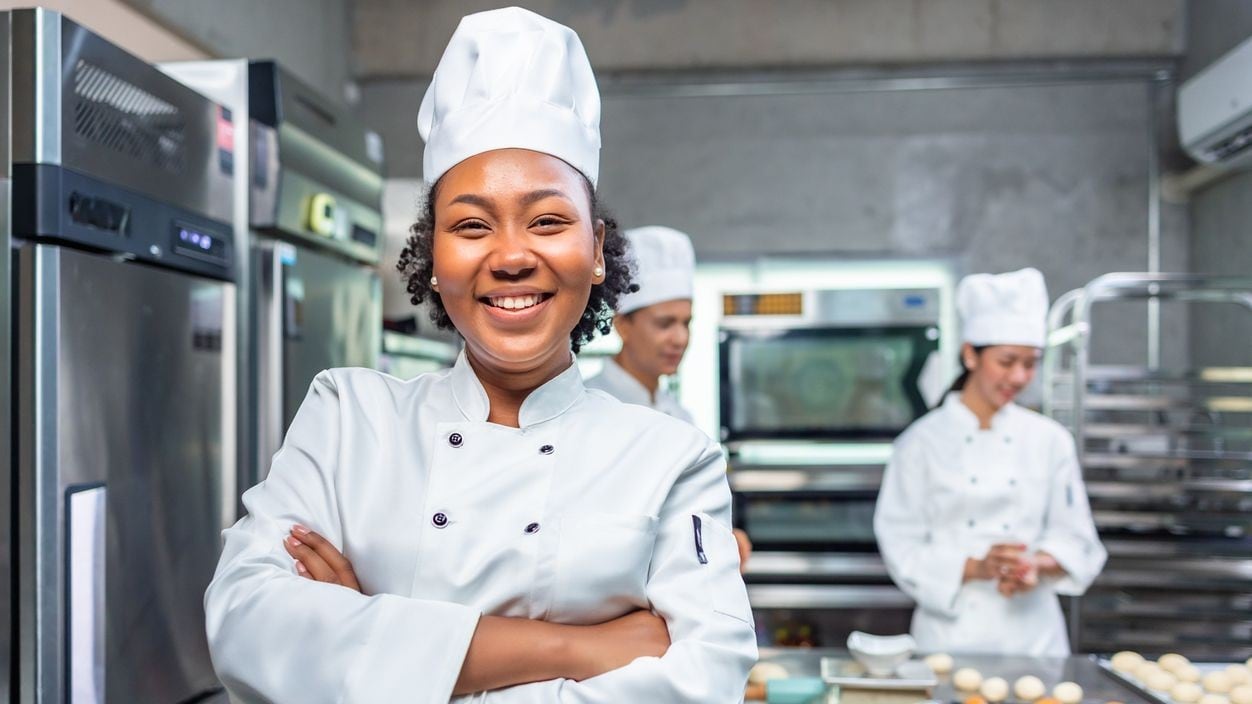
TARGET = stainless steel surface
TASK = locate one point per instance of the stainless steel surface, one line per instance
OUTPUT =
(1167, 456)
(35, 403)
(225, 82)
(307, 302)
(267, 360)
(710, 83)
(849, 674)
(406, 356)
(816, 565)
(282, 195)
(827, 596)
(1126, 372)
(1153, 111)
(142, 403)
(8, 633)
(310, 152)
(783, 478)
(36, 131)
(1082, 669)
(1141, 687)
(313, 312)
(88, 106)
(339, 306)
(420, 348)
(844, 308)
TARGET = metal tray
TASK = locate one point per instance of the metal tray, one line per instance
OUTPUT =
(1152, 695)
(850, 674)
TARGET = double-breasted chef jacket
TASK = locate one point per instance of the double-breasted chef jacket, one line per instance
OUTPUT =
(618, 383)
(950, 492)
(590, 510)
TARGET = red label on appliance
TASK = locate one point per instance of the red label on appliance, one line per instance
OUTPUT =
(225, 130)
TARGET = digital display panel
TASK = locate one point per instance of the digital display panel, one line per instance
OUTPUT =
(195, 242)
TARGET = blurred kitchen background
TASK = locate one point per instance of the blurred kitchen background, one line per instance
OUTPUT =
(203, 203)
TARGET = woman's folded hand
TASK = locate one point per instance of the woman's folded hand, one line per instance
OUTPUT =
(613, 644)
(318, 560)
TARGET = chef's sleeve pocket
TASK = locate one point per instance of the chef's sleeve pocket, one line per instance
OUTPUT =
(602, 565)
(717, 555)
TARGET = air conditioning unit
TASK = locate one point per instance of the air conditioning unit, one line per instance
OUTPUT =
(1215, 111)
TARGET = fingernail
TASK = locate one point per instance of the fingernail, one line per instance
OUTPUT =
(294, 543)
(299, 529)
(300, 567)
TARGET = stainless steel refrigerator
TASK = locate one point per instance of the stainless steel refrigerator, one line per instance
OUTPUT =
(6, 342)
(124, 385)
(311, 297)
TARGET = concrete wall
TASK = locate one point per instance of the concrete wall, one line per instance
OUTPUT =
(312, 38)
(404, 38)
(123, 25)
(1221, 215)
(990, 179)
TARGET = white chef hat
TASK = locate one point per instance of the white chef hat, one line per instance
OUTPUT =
(511, 79)
(1003, 309)
(665, 265)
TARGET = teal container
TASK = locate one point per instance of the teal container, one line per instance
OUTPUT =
(795, 690)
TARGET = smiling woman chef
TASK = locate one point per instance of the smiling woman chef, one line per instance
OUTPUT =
(509, 532)
(982, 517)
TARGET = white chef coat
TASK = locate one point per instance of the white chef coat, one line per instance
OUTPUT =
(618, 383)
(584, 513)
(950, 492)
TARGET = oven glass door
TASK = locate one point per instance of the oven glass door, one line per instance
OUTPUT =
(822, 383)
(815, 574)
(809, 521)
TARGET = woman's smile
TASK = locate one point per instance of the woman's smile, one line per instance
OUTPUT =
(516, 308)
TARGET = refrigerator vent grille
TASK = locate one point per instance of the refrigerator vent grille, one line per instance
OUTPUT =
(116, 114)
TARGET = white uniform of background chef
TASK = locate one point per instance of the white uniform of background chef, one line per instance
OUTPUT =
(576, 510)
(653, 322)
(982, 517)
(655, 326)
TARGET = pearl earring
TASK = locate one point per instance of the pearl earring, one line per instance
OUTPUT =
(434, 282)
(598, 271)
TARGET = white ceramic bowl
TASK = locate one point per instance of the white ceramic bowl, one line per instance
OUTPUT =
(881, 655)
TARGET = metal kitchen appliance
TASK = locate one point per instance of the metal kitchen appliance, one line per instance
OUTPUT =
(1167, 459)
(125, 368)
(813, 386)
(824, 365)
(6, 399)
(314, 226)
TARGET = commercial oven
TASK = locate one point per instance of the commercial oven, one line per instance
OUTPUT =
(814, 386)
(125, 368)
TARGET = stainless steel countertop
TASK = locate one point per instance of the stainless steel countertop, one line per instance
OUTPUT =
(1097, 686)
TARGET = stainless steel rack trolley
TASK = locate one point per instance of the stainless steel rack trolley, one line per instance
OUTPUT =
(1167, 459)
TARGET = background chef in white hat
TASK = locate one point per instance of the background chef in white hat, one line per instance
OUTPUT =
(654, 324)
(982, 517)
(494, 532)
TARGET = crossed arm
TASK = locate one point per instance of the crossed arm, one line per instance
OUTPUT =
(509, 651)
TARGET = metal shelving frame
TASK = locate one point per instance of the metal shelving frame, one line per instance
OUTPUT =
(1203, 559)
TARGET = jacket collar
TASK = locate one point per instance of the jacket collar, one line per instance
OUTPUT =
(544, 403)
(965, 418)
(629, 388)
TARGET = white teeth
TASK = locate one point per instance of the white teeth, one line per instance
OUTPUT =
(515, 302)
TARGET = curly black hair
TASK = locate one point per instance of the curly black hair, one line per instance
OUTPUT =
(417, 265)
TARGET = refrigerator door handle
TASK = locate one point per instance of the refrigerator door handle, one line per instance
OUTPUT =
(268, 340)
(86, 507)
